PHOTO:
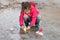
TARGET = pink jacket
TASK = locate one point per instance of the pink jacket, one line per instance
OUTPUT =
(33, 13)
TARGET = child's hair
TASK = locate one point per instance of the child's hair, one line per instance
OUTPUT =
(25, 5)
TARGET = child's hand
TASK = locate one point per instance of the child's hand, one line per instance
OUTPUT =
(25, 28)
(22, 27)
(32, 25)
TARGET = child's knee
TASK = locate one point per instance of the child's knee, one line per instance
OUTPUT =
(38, 17)
(38, 20)
(25, 16)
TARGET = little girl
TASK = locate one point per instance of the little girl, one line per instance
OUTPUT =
(29, 15)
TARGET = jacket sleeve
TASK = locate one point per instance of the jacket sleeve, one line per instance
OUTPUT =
(21, 20)
(34, 13)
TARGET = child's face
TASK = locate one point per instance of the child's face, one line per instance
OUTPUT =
(27, 11)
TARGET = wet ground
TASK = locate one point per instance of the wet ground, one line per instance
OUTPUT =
(50, 22)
